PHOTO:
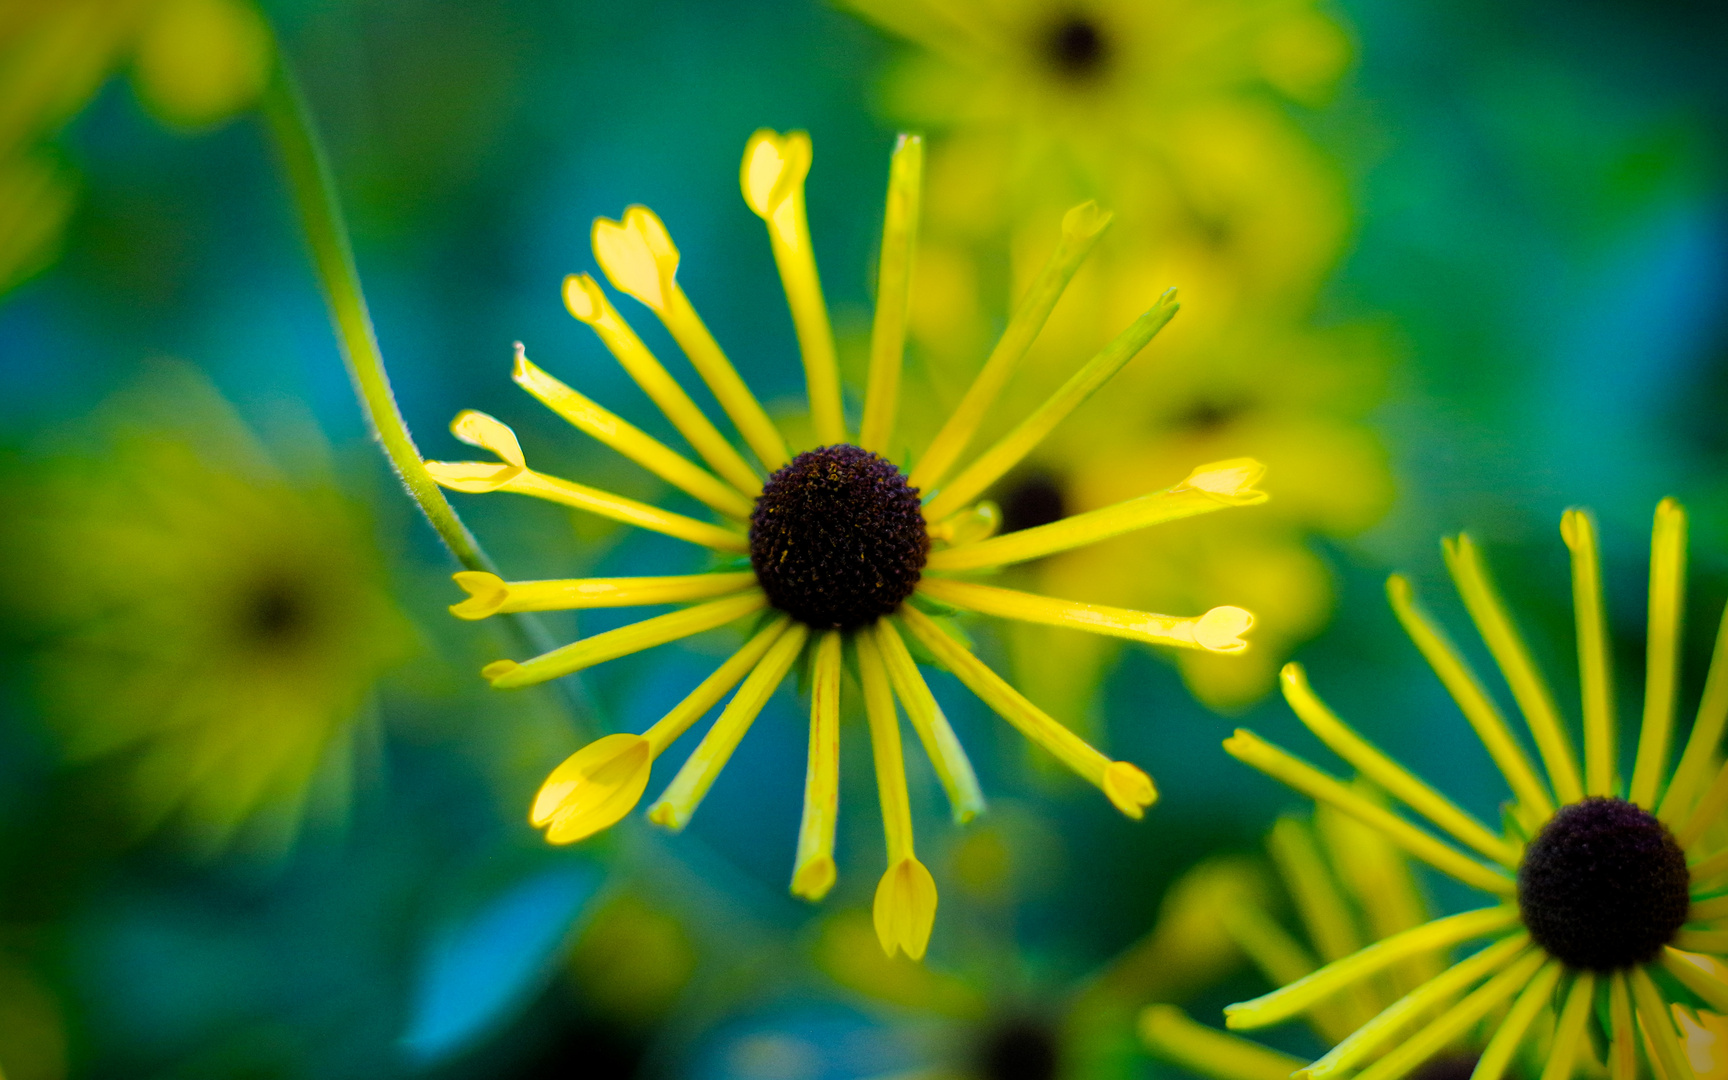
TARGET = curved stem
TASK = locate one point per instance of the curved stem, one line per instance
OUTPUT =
(313, 191)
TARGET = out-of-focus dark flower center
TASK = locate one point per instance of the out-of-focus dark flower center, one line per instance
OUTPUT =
(1603, 886)
(1076, 47)
(837, 538)
(1019, 1049)
(274, 613)
(1033, 499)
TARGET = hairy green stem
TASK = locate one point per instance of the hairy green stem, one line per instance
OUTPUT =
(314, 194)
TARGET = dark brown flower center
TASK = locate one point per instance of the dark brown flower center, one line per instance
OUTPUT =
(1603, 886)
(1076, 47)
(837, 537)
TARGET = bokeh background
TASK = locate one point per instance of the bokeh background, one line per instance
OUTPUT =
(1446, 265)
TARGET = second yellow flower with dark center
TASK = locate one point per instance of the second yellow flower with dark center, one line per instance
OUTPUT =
(846, 550)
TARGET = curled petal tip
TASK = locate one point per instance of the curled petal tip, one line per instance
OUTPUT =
(593, 788)
(774, 166)
(486, 594)
(1129, 789)
(582, 297)
(498, 669)
(905, 908)
(478, 429)
(1220, 630)
(474, 477)
(1229, 481)
(813, 879)
(637, 255)
(1087, 219)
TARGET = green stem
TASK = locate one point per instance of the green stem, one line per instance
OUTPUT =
(326, 234)
(314, 194)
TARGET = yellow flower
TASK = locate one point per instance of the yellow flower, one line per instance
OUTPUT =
(209, 617)
(195, 63)
(840, 550)
(1598, 882)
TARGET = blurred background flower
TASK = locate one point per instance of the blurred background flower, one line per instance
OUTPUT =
(1468, 255)
(1187, 120)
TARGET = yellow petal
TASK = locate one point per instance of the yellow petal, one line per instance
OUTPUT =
(774, 164)
(905, 908)
(1220, 630)
(593, 788)
(477, 429)
(486, 594)
(638, 256)
(1232, 481)
(1129, 789)
(474, 477)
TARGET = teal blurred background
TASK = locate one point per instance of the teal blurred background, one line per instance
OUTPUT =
(1540, 231)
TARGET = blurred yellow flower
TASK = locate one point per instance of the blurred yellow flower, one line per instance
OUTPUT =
(195, 63)
(1175, 113)
(213, 619)
(1607, 893)
(840, 551)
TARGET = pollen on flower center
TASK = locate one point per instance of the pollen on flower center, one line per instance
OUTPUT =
(1075, 47)
(1603, 886)
(837, 537)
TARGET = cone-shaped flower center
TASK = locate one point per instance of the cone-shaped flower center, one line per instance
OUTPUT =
(1603, 886)
(837, 537)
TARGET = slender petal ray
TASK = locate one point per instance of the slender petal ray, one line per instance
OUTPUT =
(1497, 1055)
(995, 462)
(1706, 735)
(1452, 1023)
(508, 674)
(1662, 661)
(1623, 1039)
(708, 693)
(1595, 666)
(1660, 1038)
(813, 872)
(947, 757)
(1219, 630)
(1203, 1050)
(1208, 488)
(893, 294)
(905, 905)
(1569, 1032)
(585, 301)
(489, 594)
(1081, 228)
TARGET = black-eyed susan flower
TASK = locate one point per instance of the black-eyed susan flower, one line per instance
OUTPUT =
(1608, 902)
(204, 617)
(837, 550)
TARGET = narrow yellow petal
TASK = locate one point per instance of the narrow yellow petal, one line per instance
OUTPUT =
(1408, 1055)
(1210, 487)
(1375, 765)
(1529, 689)
(473, 477)
(1297, 997)
(585, 301)
(947, 756)
(1705, 976)
(1249, 748)
(629, 511)
(773, 178)
(728, 387)
(633, 443)
(1126, 786)
(1497, 1055)
(1376, 1033)
(1662, 656)
(709, 692)
(905, 908)
(1710, 809)
(1698, 758)
(1595, 665)
(1660, 1039)
(995, 462)
(893, 294)
(885, 748)
(813, 872)
(1569, 1032)
(478, 429)
(685, 793)
(1324, 912)
(1708, 910)
(1081, 228)
(1709, 867)
(1623, 1039)
(509, 675)
(1704, 941)
(489, 594)
(1473, 701)
(593, 789)
(1219, 630)
(1374, 872)
(1169, 1034)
